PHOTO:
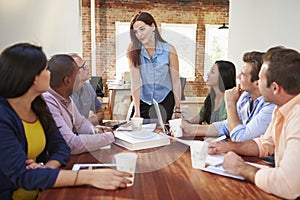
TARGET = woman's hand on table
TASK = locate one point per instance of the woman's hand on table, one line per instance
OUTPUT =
(108, 179)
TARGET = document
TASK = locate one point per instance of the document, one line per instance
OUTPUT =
(221, 171)
(145, 127)
(92, 166)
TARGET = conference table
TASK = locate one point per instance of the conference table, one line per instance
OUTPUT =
(161, 173)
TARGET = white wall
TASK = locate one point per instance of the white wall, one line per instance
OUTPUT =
(261, 24)
(53, 24)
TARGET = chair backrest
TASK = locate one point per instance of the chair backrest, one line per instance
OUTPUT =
(96, 82)
(183, 82)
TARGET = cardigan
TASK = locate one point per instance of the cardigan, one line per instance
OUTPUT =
(13, 154)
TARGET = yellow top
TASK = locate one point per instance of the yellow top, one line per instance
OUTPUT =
(36, 141)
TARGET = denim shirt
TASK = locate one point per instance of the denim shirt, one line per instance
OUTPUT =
(87, 100)
(254, 123)
(155, 75)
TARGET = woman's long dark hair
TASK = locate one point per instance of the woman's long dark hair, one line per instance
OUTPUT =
(19, 65)
(227, 80)
(134, 49)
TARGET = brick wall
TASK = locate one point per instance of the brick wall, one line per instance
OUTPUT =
(198, 12)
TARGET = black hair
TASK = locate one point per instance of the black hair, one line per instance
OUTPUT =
(226, 81)
(19, 65)
(60, 66)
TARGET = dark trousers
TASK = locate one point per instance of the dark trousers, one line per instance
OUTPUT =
(166, 108)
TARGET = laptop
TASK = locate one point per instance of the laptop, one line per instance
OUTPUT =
(164, 127)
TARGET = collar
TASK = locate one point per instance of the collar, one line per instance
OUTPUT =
(64, 101)
(287, 107)
(249, 99)
(158, 50)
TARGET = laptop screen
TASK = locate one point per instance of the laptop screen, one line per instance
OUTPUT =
(164, 127)
(158, 114)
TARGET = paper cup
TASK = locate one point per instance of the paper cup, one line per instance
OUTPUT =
(137, 123)
(199, 151)
(175, 126)
(126, 162)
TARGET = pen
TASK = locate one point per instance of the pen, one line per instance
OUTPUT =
(223, 137)
(218, 165)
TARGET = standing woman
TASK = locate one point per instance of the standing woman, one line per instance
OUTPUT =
(221, 77)
(154, 70)
(29, 134)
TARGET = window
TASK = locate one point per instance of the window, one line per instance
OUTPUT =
(183, 38)
(122, 42)
(216, 46)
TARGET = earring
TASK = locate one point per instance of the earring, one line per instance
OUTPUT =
(153, 36)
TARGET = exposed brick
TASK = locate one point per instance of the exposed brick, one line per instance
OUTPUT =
(107, 12)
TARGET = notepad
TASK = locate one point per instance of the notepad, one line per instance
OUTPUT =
(221, 171)
(92, 166)
(214, 160)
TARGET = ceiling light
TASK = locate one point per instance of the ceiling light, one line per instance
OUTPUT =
(223, 26)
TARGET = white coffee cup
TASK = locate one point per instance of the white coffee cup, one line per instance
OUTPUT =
(137, 123)
(199, 151)
(175, 126)
(126, 162)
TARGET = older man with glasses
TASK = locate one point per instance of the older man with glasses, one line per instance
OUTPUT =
(85, 97)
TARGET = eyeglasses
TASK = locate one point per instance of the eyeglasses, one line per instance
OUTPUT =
(83, 66)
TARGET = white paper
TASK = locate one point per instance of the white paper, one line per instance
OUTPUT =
(214, 160)
(221, 171)
(79, 166)
(145, 127)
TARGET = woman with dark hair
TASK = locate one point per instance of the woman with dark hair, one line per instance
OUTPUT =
(29, 136)
(154, 70)
(222, 76)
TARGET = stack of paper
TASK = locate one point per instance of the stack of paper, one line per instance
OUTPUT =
(137, 140)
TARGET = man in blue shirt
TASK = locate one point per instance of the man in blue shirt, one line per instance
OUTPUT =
(248, 115)
(85, 98)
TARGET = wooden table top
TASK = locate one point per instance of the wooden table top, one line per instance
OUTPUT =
(161, 173)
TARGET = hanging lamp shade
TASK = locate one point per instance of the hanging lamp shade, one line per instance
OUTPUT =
(223, 26)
